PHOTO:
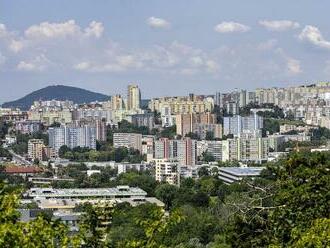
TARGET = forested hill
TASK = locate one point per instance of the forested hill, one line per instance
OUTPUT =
(57, 92)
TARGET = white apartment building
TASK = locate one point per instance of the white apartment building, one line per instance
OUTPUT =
(242, 124)
(84, 136)
(240, 149)
(167, 171)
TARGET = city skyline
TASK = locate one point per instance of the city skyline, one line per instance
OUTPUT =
(106, 45)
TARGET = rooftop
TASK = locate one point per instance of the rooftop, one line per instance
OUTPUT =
(242, 171)
(22, 169)
(118, 192)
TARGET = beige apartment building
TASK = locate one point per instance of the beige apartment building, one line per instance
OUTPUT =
(35, 149)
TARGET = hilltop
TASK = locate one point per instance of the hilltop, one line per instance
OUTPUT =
(56, 92)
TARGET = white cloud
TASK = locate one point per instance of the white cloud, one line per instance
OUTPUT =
(294, 66)
(16, 46)
(94, 29)
(212, 66)
(175, 58)
(279, 25)
(83, 66)
(2, 59)
(52, 30)
(231, 27)
(268, 45)
(159, 23)
(3, 30)
(313, 36)
(38, 64)
(46, 30)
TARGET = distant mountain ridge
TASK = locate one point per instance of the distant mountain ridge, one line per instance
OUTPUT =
(57, 92)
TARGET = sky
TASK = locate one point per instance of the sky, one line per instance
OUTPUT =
(167, 47)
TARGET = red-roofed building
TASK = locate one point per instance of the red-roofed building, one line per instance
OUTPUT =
(22, 170)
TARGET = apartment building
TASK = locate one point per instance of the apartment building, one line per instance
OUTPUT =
(239, 149)
(72, 136)
(183, 105)
(167, 171)
(184, 151)
(242, 124)
(128, 140)
(35, 149)
(198, 123)
(133, 97)
(146, 119)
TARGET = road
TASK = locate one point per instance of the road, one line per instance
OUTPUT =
(19, 159)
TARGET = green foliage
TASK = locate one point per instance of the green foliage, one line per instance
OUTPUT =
(303, 194)
(37, 233)
(141, 180)
(207, 157)
(166, 193)
(4, 127)
(95, 223)
(203, 171)
(209, 135)
(271, 125)
(127, 127)
(276, 112)
(168, 132)
(318, 235)
(21, 147)
(288, 206)
(120, 154)
(192, 136)
(5, 153)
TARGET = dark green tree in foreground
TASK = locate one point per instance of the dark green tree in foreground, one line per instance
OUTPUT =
(288, 205)
(40, 232)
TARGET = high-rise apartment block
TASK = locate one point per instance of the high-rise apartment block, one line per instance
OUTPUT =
(240, 149)
(147, 120)
(72, 136)
(184, 151)
(117, 102)
(237, 124)
(183, 105)
(200, 124)
(133, 97)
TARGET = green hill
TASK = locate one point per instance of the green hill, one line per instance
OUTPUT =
(57, 92)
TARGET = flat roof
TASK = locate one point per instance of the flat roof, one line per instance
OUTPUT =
(119, 191)
(242, 171)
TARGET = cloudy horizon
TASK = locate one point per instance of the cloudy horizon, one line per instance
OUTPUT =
(167, 49)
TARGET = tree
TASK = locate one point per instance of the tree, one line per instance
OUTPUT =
(318, 235)
(95, 224)
(302, 196)
(192, 136)
(209, 135)
(271, 126)
(40, 232)
(208, 157)
(203, 171)
(168, 132)
(166, 193)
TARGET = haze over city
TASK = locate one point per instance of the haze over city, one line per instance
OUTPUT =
(186, 46)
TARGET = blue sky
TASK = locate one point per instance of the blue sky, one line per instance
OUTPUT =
(167, 47)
